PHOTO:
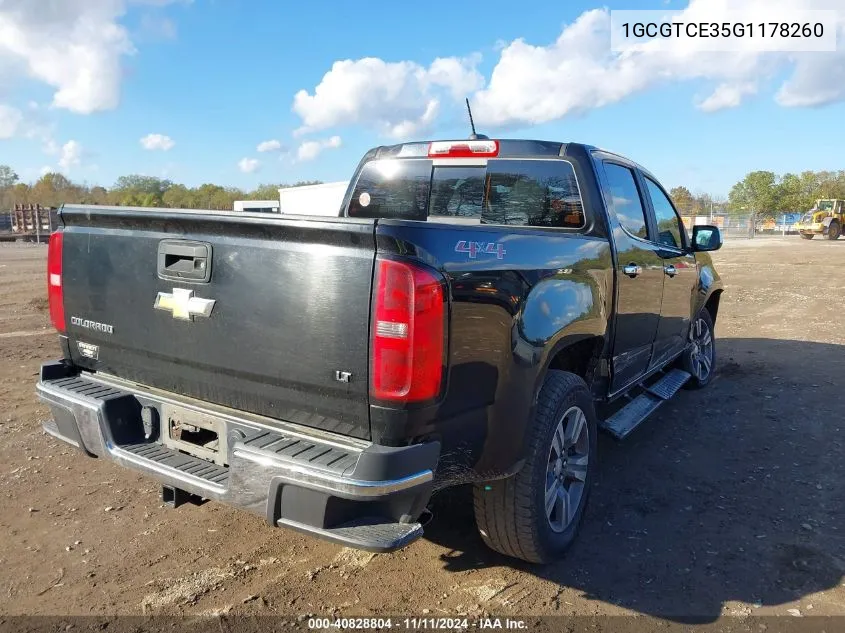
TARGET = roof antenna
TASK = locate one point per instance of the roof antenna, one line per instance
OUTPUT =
(473, 136)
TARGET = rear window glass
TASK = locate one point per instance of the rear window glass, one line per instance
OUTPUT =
(392, 189)
(510, 192)
(532, 193)
(457, 192)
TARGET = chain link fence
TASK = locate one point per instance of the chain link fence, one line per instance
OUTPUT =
(748, 226)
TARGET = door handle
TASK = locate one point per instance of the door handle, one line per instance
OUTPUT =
(632, 270)
(670, 270)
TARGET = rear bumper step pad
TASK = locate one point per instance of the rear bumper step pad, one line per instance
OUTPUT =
(212, 473)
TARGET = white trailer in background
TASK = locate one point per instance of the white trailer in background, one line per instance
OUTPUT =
(257, 206)
(324, 199)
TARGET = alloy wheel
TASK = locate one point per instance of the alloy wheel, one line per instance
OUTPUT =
(566, 473)
(702, 349)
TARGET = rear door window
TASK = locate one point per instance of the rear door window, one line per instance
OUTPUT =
(626, 201)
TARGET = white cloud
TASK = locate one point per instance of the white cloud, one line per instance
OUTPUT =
(459, 76)
(535, 84)
(269, 146)
(46, 169)
(28, 124)
(727, 96)
(50, 146)
(249, 165)
(817, 80)
(74, 46)
(71, 155)
(397, 98)
(309, 150)
(157, 142)
(411, 127)
(10, 121)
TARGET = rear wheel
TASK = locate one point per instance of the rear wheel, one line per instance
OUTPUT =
(700, 357)
(834, 231)
(535, 515)
(807, 236)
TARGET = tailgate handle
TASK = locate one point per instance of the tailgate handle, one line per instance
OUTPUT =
(184, 260)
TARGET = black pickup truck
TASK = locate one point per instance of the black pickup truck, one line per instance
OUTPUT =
(474, 315)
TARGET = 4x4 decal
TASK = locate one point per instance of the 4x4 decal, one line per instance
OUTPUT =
(473, 248)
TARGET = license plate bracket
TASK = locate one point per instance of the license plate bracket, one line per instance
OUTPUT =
(194, 433)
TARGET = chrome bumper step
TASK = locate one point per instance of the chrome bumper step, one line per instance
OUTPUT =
(316, 454)
(188, 464)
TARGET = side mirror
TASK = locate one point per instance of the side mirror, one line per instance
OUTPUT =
(706, 238)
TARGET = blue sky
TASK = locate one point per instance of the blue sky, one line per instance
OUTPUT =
(213, 79)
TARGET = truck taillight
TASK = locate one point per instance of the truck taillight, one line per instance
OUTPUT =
(406, 360)
(55, 295)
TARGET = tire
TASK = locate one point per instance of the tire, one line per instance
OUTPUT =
(701, 353)
(807, 236)
(511, 513)
(834, 231)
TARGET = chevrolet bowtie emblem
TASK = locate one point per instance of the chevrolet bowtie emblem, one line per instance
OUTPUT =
(183, 304)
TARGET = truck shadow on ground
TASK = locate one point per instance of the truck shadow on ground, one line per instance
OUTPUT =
(732, 493)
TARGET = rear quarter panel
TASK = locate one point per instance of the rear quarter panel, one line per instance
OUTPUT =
(512, 305)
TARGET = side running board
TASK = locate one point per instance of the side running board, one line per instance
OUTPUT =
(629, 417)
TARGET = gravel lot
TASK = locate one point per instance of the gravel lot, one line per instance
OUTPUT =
(728, 502)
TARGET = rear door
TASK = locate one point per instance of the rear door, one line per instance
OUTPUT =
(639, 275)
(285, 307)
(680, 274)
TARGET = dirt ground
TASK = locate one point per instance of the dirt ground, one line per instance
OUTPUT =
(729, 501)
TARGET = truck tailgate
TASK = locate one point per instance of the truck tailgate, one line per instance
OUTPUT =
(291, 308)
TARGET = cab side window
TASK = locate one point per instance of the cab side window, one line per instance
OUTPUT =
(670, 229)
(625, 198)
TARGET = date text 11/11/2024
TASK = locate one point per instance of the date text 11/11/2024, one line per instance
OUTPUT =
(418, 623)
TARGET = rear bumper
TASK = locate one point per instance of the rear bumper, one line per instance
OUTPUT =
(352, 492)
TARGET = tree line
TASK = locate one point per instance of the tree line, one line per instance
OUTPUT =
(54, 189)
(765, 193)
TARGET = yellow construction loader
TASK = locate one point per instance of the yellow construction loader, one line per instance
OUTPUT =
(825, 218)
